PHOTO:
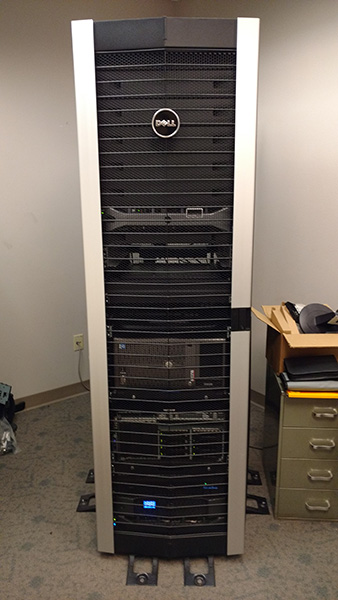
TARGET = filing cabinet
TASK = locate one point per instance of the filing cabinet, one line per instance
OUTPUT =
(300, 453)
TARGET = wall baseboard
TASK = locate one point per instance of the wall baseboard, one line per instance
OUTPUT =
(50, 396)
(257, 398)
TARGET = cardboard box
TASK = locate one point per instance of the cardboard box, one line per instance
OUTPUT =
(284, 339)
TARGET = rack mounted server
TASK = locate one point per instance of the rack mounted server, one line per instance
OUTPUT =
(166, 116)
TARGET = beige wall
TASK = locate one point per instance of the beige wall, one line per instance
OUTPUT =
(42, 301)
(42, 288)
(296, 241)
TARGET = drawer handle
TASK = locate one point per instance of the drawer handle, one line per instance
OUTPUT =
(322, 444)
(324, 508)
(317, 475)
(324, 413)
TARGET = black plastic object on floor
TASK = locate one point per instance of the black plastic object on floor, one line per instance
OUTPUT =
(8, 408)
(7, 404)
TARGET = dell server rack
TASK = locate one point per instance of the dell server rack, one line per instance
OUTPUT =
(166, 117)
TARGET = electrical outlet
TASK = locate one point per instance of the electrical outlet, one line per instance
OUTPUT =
(78, 343)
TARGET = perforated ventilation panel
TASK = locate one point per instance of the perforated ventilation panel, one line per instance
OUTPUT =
(167, 242)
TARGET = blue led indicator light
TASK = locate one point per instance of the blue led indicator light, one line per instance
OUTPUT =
(149, 504)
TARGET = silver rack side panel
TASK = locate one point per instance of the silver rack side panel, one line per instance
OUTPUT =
(244, 193)
(84, 70)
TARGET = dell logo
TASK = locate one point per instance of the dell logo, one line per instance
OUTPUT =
(165, 122)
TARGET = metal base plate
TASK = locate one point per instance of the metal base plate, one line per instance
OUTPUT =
(85, 504)
(142, 578)
(90, 476)
(200, 579)
(261, 507)
(254, 477)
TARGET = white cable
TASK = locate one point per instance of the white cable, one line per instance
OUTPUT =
(79, 372)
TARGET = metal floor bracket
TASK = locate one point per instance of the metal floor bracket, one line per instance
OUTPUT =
(199, 579)
(142, 578)
(90, 476)
(261, 507)
(85, 504)
(254, 477)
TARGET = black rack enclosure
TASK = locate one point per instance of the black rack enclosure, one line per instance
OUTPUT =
(166, 116)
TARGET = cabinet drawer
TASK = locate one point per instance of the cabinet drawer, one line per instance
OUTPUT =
(310, 412)
(309, 474)
(309, 443)
(307, 504)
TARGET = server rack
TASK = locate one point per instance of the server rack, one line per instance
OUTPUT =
(166, 117)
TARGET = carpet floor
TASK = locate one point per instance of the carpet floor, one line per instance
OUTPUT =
(48, 550)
